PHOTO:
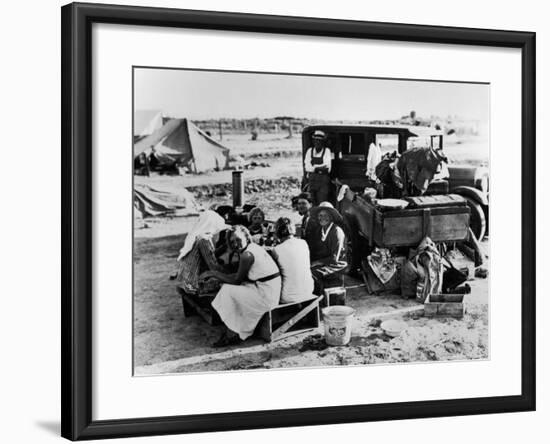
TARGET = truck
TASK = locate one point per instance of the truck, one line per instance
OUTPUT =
(454, 210)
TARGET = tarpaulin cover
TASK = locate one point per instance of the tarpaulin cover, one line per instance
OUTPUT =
(156, 202)
(419, 166)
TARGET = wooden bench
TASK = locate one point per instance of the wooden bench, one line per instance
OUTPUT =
(289, 319)
(201, 305)
(282, 321)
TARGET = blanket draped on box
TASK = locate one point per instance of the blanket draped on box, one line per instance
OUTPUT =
(422, 275)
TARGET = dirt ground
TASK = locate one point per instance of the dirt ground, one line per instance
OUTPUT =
(167, 342)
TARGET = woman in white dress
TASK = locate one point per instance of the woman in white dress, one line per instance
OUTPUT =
(247, 294)
(292, 256)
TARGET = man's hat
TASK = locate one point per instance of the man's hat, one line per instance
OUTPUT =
(318, 134)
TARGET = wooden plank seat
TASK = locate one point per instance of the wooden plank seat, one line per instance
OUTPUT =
(282, 321)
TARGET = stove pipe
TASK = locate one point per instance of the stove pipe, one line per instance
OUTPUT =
(238, 189)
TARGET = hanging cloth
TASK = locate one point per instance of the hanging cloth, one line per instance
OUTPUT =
(374, 157)
(428, 257)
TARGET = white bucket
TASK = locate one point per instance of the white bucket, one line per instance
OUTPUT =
(338, 320)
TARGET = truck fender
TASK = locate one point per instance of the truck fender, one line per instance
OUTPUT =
(473, 193)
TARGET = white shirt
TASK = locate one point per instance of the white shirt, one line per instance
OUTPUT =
(293, 261)
(263, 264)
(327, 159)
(373, 159)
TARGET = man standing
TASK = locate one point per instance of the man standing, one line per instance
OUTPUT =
(317, 165)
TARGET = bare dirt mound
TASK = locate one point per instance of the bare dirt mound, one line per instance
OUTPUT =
(282, 184)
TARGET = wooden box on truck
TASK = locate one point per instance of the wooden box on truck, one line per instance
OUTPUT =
(442, 221)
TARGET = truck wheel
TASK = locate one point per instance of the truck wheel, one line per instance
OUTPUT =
(478, 224)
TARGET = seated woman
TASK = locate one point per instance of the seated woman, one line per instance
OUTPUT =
(257, 226)
(329, 245)
(292, 256)
(199, 254)
(247, 294)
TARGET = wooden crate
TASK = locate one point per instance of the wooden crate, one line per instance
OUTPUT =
(443, 309)
(334, 296)
(407, 227)
(287, 319)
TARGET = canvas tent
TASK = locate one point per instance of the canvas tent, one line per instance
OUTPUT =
(184, 142)
(146, 122)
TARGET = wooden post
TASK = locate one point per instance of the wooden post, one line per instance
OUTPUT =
(426, 222)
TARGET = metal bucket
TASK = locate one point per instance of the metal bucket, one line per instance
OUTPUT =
(338, 324)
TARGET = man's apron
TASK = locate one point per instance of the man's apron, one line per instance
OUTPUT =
(318, 181)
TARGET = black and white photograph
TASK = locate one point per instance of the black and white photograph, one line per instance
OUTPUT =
(275, 222)
(290, 221)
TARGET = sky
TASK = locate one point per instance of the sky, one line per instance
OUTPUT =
(202, 95)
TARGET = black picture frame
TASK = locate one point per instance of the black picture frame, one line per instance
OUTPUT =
(76, 168)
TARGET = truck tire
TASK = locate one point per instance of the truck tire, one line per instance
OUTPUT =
(478, 223)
